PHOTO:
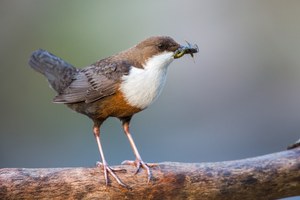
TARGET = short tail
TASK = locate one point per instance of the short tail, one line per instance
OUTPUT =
(58, 72)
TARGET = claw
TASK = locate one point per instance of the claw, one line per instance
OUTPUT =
(111, 171)
(141, 164)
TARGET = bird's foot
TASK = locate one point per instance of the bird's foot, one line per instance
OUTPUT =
(111, 171)
(138, 163)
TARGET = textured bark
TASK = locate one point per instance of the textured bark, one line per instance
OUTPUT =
(271, 176)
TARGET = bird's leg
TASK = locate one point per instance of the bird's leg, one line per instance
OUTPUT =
(138, 161)
(106, 168)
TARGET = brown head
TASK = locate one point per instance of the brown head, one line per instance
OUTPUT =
(156, 45)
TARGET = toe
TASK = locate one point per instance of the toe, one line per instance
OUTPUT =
(128, 162)
(108, 170)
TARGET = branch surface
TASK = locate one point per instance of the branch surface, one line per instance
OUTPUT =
(271, 176)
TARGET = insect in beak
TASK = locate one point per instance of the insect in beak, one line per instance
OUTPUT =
(189, 49)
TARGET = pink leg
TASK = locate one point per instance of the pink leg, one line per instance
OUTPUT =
(138, 161)
(106, 168)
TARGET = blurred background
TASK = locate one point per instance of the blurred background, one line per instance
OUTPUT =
(240, 97)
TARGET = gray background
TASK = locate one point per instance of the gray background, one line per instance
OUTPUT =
(240, 98)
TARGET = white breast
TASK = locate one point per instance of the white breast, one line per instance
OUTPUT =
(142, 86)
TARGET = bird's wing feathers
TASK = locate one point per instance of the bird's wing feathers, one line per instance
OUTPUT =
(94, 82)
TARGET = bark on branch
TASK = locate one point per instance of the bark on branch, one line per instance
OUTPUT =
(270, 176)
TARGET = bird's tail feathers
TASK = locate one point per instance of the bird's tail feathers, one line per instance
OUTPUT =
(58, 72)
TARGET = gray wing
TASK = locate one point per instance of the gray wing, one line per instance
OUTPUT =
(94, 82)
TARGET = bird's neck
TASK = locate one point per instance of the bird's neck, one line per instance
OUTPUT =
(143, 85)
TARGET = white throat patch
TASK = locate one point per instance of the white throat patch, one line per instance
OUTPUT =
(142, 86)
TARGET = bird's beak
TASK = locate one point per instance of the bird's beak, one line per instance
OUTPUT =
(189, 49)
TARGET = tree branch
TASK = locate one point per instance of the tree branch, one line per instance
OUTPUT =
(270, 176)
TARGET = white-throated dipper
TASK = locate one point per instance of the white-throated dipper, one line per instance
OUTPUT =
(117, 86)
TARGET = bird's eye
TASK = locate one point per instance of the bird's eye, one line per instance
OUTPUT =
(161, 46)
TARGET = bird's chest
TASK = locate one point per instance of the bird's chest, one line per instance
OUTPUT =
(142, 86)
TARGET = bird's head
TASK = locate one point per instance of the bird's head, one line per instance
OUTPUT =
(163, 49)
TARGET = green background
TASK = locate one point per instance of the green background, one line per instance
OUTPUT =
(240, 98)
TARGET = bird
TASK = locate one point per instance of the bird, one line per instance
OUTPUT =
(117, 86)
